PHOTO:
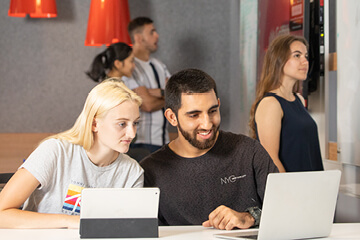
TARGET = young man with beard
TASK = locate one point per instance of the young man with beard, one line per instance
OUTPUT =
(206, 176)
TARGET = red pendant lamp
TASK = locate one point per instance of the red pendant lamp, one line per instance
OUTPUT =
(107, 24)
(35, 8)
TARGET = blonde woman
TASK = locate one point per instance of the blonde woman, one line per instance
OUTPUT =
(90, 154)
(278, 118)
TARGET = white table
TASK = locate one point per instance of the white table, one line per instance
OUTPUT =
(339, 231)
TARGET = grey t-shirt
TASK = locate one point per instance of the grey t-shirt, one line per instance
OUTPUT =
(64, 169)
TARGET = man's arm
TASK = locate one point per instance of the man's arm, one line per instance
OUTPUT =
(151, 102)
(156, 92)
(226, 218)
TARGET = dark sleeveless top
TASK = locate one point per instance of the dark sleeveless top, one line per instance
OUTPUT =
(299, 143)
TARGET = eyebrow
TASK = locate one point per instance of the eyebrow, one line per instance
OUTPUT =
(198, 111)
(297, 51)
(126, 119)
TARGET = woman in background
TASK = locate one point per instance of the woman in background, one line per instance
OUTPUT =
(89, 155)
(116, 61)
(278, 118)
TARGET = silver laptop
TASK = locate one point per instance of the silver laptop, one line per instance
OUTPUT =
(119, 212)
(296, 206)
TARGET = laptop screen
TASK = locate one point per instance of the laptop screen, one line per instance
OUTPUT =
(296, 206)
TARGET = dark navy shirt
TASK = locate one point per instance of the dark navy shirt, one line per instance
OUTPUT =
(299, 143)
(232, 173)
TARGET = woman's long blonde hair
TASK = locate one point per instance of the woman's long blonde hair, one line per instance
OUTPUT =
(275, 59)
(103, 97)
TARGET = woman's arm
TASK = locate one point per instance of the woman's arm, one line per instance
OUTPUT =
(268, 117)
(156, 92)
(14, 194)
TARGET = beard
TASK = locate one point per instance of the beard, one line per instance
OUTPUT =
(191, 138)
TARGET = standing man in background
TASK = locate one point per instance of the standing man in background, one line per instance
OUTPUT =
(148, 81)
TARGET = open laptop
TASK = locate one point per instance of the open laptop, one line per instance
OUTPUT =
(119, 212)
(296, 206)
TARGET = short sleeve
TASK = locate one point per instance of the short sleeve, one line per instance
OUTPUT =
(42, 162)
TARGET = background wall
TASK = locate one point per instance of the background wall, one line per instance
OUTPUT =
(348, 111)
(42, 82)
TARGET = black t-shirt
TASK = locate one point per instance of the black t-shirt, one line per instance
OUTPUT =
(233, 173)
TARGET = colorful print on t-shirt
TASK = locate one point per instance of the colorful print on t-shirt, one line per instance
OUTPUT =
(72, 200)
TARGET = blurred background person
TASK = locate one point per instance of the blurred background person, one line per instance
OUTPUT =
(116, 61)
(148, 81)
(278, 118)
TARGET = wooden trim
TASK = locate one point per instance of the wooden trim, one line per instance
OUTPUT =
(333, 61)
(332, 151)
(15, 147)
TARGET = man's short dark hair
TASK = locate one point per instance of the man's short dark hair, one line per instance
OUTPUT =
(187, 81)
(136, 25)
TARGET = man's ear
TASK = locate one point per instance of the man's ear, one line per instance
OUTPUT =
(171, 117)
(137, 37)
(219, 102)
